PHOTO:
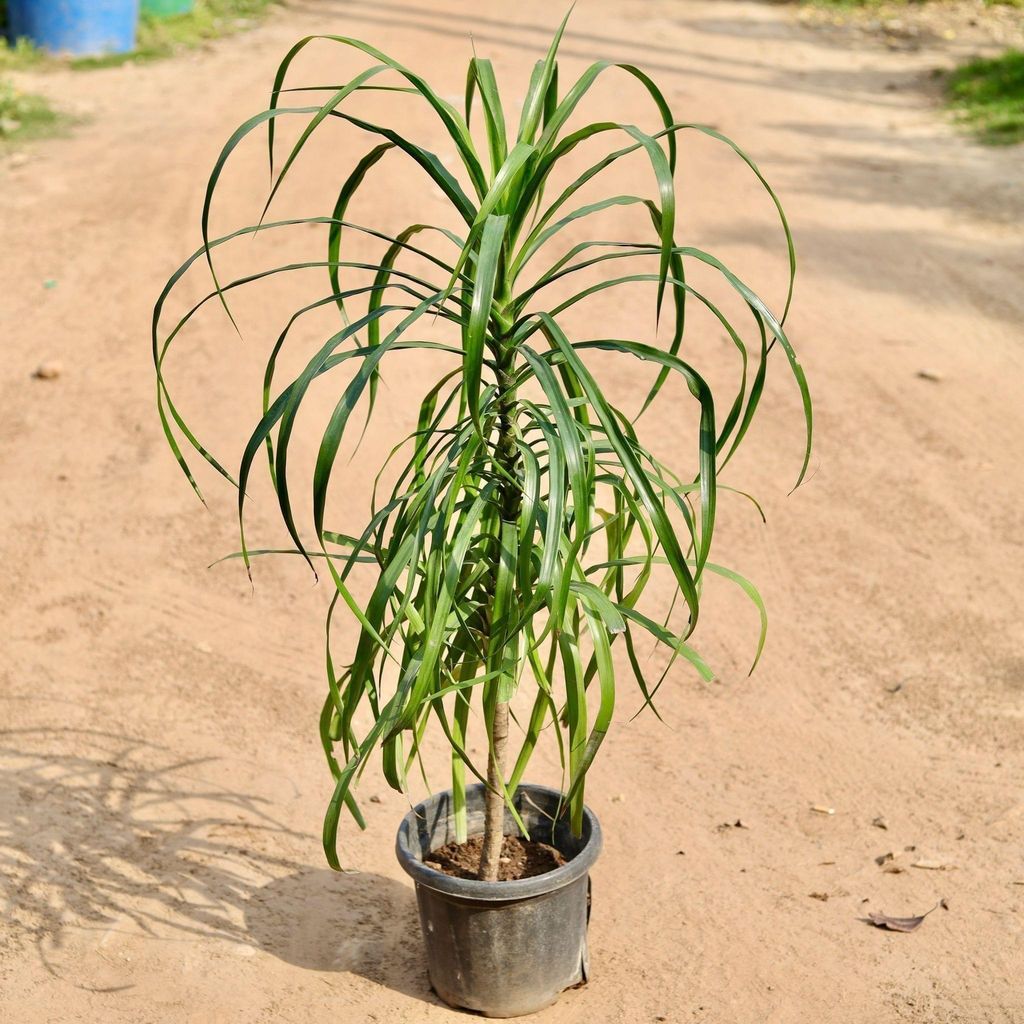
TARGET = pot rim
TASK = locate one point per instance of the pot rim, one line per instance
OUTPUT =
(411, 858)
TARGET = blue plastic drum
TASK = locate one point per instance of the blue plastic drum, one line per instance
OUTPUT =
(82, 28)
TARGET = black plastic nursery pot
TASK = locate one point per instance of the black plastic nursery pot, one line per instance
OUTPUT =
(503, 949)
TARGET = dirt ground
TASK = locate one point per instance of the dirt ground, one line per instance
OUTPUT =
(161, 785)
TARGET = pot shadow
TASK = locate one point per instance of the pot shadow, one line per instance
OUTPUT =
(359, 923)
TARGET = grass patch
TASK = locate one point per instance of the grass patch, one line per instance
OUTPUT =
(25, 116)
(20, 55)
(868, 4)
(158, 37)
(988, 95)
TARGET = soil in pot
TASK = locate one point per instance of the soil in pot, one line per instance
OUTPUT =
(520, 858)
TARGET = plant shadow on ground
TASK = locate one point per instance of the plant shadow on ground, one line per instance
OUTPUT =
(101, 831)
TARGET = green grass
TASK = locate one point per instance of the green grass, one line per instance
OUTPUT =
(988, 95)
(20, 56)
(24, 116)
(158, 37)
(852, 4)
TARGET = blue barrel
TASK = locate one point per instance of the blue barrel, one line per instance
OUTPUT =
(82, 28)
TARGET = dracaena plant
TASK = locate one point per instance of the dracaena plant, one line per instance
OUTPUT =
(524, 516)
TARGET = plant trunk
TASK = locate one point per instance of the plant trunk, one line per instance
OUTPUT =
(494, 799)
(507, 458)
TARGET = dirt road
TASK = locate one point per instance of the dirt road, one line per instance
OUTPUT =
(161, 786)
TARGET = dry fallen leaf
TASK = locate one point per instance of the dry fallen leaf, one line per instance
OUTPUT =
(880, 822)
(896, 924)
(823, 896)
(902, 924)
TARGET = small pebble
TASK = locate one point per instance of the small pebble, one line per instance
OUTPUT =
(931, 865)
(50, 370)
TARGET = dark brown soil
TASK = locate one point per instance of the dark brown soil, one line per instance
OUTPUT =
(520, 858)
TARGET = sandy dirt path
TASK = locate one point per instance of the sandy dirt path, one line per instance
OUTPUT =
(161, 786)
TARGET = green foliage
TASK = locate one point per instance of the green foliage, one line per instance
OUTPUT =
(848, 4)
(515, 531)
(20, 55)
(988, 94)
(157, 37)
(25, 116)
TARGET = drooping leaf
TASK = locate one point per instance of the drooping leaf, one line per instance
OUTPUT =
(514, 533)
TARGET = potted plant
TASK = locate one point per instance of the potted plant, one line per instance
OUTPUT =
(523, 518)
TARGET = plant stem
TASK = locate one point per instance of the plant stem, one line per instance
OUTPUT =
(494, 798)
(507, 459)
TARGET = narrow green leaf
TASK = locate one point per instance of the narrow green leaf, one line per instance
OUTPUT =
(488, 258)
